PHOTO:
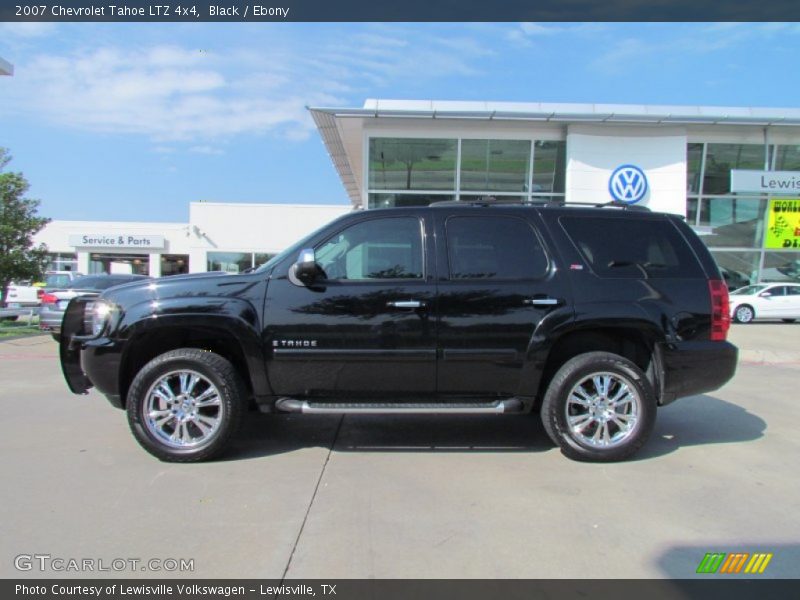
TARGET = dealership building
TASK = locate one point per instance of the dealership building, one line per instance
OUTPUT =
(732, 172)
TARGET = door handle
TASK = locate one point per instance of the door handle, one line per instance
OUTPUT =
(405, 303)
(542, 301)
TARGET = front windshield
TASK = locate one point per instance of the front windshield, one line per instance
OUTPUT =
(291, 250)
(749, 290)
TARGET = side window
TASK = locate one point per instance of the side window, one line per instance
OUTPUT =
(793, 290)
(778, 290)
(389, 248)
(632, 247)
(494, 248)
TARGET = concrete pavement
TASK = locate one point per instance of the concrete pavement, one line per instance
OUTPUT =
(405, 496)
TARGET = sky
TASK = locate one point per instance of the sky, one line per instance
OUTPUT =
(132, 121)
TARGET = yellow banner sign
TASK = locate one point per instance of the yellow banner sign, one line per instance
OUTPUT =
(783, 224)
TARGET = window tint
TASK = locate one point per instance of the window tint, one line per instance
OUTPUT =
(632, 248)
(778, 290)
(494, 248)
(793, 290)
(388, 248)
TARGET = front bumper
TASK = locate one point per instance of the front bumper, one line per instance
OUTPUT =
(69, 348)
(88, 361)
(692, 368)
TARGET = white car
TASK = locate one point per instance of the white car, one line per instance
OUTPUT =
(766, 301)
(22, 295)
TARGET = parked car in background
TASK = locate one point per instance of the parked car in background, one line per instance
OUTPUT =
(54, 302)
(23, 295)
(766, 301)
(58, 279)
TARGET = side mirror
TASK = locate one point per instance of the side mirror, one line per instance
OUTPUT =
(765, 294)
(305, 270)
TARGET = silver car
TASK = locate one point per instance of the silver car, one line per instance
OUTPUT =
(54, 302)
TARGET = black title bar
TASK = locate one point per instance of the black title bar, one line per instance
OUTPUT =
(405, 10)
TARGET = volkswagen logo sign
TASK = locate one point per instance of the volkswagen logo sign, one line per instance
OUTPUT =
(628, 184)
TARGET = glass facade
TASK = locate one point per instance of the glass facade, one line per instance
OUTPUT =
(419, 171)
(412, 164)
(495, 165)
(235, 262)
(174, 264)
(732, 224)
(62, 261)
(122, 264)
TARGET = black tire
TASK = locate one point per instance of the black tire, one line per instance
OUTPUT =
(747, 314)
(788, 320)
(213, 370)
(576, 371)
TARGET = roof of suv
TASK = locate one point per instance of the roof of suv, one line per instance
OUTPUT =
(499, 202)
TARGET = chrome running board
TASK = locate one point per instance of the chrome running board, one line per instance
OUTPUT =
(312, 407)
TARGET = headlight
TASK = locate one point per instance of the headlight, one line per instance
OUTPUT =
(97, 315)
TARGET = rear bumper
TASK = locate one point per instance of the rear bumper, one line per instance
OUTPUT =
(692, 368)
(50, 319)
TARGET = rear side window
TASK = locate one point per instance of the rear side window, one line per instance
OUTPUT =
(494, 248)
(632, 248)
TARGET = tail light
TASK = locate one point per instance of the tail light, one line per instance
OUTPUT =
(48, 298)
(720, 310)
(39, 293)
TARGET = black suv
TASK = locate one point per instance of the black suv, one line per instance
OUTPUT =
(592, 316)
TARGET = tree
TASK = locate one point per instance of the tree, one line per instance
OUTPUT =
(19, 222)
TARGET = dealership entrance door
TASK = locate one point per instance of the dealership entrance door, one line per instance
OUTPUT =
(129, 264)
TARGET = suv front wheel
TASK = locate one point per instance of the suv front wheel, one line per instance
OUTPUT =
(599, 407)
(185, 405)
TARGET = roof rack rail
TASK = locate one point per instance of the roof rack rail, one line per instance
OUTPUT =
(482, 201)
(495, 201)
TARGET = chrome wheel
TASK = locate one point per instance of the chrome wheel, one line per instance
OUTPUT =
(744, 314)
(183, 409)
(602, 410)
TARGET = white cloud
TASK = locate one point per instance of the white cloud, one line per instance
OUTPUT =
(524, 33)
(206, 149)
(538, 29)
(166, 93)
(689, 40)
(26, 30)
(173, 93)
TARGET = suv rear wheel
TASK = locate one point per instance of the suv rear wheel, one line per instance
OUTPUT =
(185, 405)
(599, 407)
